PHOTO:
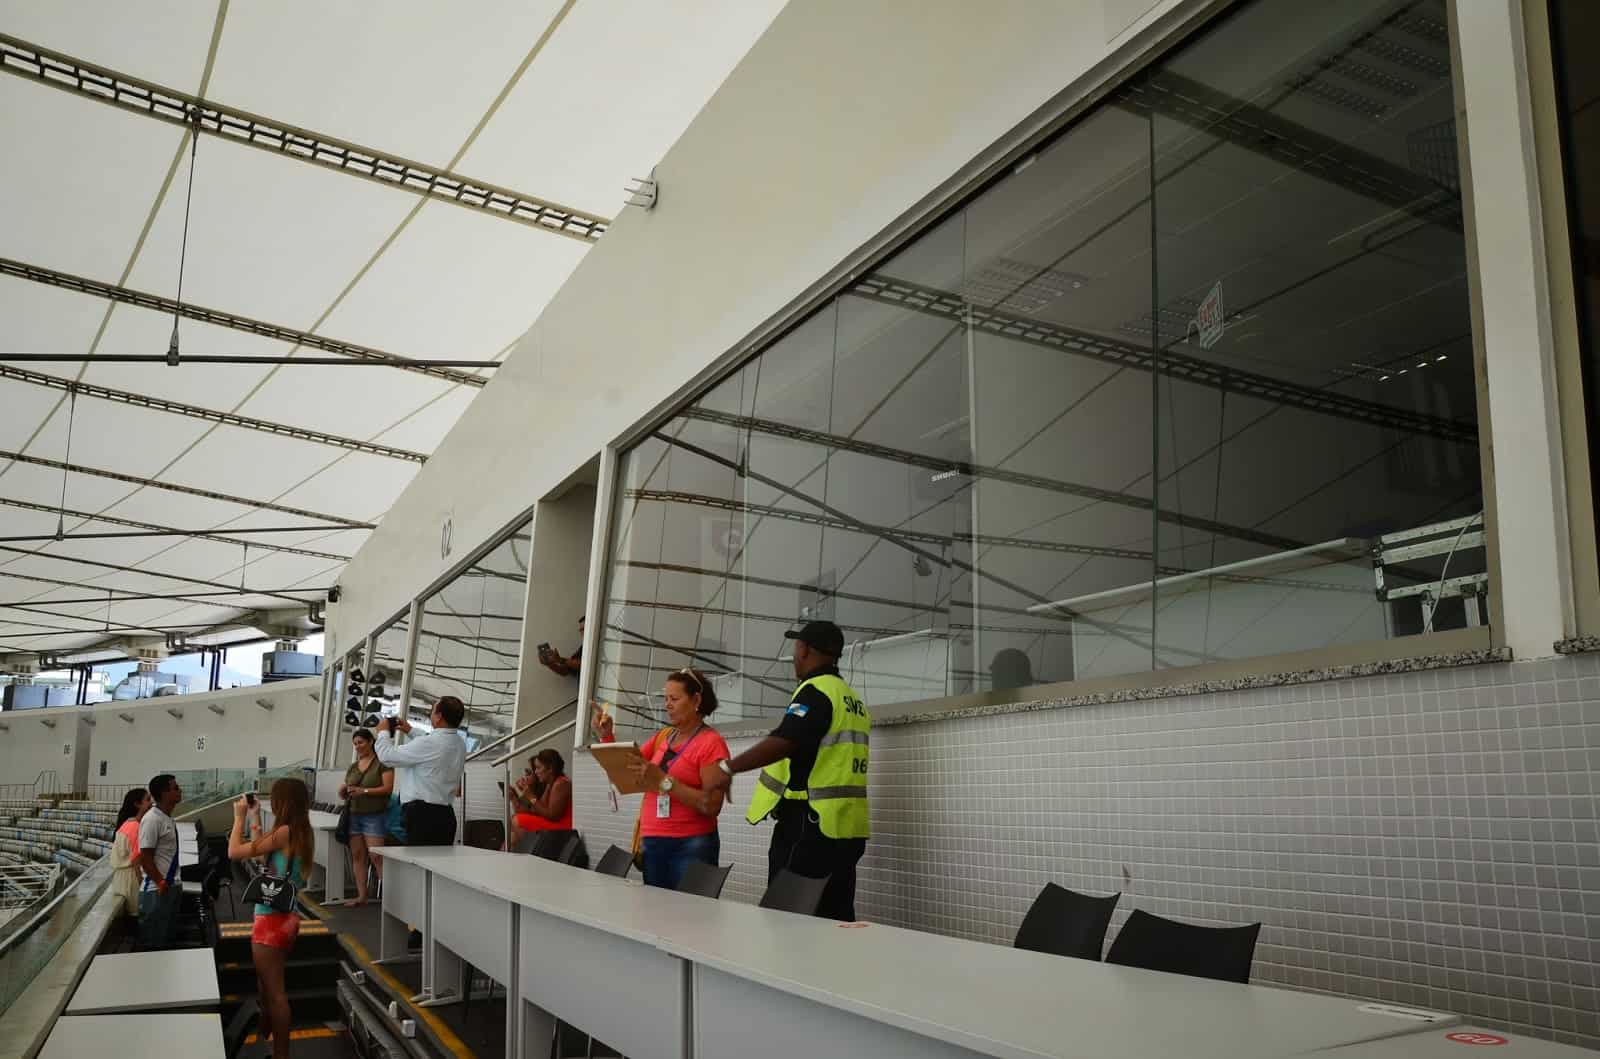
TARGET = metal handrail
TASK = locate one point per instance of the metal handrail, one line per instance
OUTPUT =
(485, 748)
(497, 762)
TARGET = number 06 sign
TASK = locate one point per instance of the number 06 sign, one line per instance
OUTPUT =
(1473, 1037)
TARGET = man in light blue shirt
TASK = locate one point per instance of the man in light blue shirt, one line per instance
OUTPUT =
(429, 771)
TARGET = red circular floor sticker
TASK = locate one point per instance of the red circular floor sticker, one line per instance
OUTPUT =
(1468, 1037)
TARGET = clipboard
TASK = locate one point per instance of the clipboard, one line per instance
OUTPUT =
(615, 759)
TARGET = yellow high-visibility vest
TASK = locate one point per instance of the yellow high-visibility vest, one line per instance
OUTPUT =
(837, 789)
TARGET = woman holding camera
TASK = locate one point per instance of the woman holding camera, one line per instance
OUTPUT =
(678, 824)
(542, 798)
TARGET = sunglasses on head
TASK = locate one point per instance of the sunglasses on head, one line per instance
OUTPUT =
(688, 675)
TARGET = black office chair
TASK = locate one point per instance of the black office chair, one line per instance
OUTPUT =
(484, 834)
(1223, 953)
(794, 893)
(1066, 923)
(704, 880)
(615, 861)
(220, 876)
(559, 846)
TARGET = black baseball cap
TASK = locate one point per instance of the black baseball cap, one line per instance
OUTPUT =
(822, 635)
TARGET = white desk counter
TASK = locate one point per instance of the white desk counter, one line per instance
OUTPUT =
(1458, 1041)
(764, 983)
(550, 932)
(147, 981)
(134, 1037)
(778, 985)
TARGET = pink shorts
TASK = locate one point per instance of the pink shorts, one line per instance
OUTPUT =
(277, 930)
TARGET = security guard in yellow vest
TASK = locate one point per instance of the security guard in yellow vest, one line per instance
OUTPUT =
(814, 774)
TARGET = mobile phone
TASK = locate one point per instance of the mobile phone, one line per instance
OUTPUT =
(250, 799)
(544, 649)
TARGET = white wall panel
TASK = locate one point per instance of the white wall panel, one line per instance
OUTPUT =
(788, 170)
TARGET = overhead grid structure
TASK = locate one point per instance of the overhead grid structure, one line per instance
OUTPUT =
(216, 501)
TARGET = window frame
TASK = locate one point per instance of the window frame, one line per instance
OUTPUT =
(1151, 44)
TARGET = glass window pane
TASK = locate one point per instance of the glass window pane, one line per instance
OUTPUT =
(1316, 403)
(1058, 285)
(471, 640)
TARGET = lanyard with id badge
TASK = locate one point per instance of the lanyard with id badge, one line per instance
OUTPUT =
(668, 756)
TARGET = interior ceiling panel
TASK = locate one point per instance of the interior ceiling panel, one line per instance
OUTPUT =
(39, 319)
(157, 42)
(274, 239)
(475, 307)
(269, 237)
(422, 430)
(75, 218)
(350, 402)
(606, 68)
(249, 463)
(345, 82)
(281, 570)
(359, 486)
(165, 508)
(101, 431)
(22, 408)
(42, 485)
(135, 330)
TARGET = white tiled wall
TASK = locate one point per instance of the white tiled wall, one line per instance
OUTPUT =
(1427, 839)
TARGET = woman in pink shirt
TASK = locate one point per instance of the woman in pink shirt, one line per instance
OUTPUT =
(125, 847)
(678, 823)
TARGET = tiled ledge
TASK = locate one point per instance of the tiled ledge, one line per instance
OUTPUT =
(1578, 645)
(1419, 664)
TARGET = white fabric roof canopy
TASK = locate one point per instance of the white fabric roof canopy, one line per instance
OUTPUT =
(565, 102)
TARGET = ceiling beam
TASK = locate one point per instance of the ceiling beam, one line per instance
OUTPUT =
(96, 624)
(210, 415)
(187, 490)
(83, 79)
(156, 529)
(905, 457)
(955, 308)
(118, 595)
(232, 321)
(124, 569)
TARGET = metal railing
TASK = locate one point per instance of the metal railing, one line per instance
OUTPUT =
(502, 761)
(32, 940)
(44, 785)
(485, 748)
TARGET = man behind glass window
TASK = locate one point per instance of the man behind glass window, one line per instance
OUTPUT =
(429, 772)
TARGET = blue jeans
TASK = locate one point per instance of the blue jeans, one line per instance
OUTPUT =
(665, 858)
(158, 916)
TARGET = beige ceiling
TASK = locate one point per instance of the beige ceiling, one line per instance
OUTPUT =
(566, 102)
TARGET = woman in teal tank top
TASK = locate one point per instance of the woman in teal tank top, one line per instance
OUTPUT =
(287, 849)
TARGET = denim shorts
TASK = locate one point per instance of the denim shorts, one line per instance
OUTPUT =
(374, 825)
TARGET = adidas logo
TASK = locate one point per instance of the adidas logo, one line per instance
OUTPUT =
(269, 890)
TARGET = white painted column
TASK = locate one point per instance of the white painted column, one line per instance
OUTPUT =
(1524, 429)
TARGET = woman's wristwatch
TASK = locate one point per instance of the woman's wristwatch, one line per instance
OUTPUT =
(666, 785)
(725, 767)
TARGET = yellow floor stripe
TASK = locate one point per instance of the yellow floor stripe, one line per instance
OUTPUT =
(300, 1035)
(445, 1035)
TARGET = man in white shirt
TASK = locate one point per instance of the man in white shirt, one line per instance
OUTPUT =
(429, 772)
(159, 891)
